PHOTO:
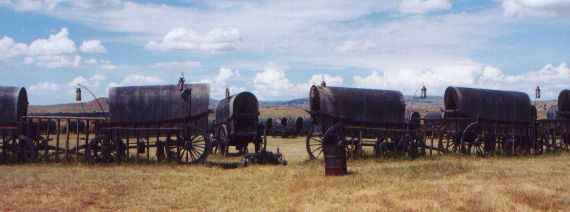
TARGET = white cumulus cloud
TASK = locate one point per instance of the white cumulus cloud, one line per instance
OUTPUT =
(10, 48)
(536, 7)
(216, 40)
(273, 82)
(222, 80)
(55, 61)
(92, 46)
(551, 78)
(92, 82)
(56, 51)
(424, 6)
(56, 44)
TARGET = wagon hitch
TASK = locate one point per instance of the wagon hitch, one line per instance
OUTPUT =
(264, 156)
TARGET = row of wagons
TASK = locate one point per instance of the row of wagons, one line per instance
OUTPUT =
(170, 123)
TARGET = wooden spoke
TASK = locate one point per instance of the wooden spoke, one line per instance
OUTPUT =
(314, 144)
(193, 149)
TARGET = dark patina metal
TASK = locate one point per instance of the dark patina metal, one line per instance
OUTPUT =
(564, 103)
(487, 105)
(368, 117)
(241, 111)
(237, 123)
(147, 104)
(13, 104)
(358, 106)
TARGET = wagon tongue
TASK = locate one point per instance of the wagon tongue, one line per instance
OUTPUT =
(264, 157)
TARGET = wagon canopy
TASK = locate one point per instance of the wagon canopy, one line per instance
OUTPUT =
(142, 104)
(564, 103)
(358, 106)
(241, 106)
(490, 105)
(13, 104)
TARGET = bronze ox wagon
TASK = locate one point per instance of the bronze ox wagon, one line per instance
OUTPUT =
(169, 120)
(367, 117)
(237, 123)
(554, 131)
(485, 122)
(15, 145)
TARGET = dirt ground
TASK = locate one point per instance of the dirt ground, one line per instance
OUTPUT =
(442, 183)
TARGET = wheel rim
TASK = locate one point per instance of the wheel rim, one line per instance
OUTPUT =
(106, 150)
(314, 144)
(194, 149)
(472, 142)
(28, 151)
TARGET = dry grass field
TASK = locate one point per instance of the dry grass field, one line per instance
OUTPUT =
(447, 183)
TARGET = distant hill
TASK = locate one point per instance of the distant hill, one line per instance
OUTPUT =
(86, 107)
(291, 103)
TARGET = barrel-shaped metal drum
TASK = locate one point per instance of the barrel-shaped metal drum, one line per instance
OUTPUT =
(356, 106)
(241, 110)
(13, 104)
(488, 105)
(564, 104)
(154, 104)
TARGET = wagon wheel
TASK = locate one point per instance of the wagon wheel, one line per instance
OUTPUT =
(382, 146)
(258, 143)
(314, 143)
(472, 141)
(389, 145)
(9, 149)
(541, 139)
(523, 145)
(27, 149)
(447, 140)
(353, 146)
(160, 150)
(193, 148)
(42, 146)
(547, 141)
(104, 149)
(565, 140)
(416, 146)
(222, 140)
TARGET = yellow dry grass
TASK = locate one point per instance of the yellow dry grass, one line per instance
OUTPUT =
(447, 183)
(281, 111)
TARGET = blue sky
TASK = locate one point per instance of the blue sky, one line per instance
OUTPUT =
(277, 49)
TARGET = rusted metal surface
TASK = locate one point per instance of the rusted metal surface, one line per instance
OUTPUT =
(355, 105)
(564, 103)
(237, 123)
(147, 104)
(241, 110)
(13, 104)
(533, 113)
(335, 160)
(334, 150)
(488, 105)
(372, 118)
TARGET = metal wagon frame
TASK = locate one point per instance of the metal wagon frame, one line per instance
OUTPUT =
(233, 127)
(386, 137)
